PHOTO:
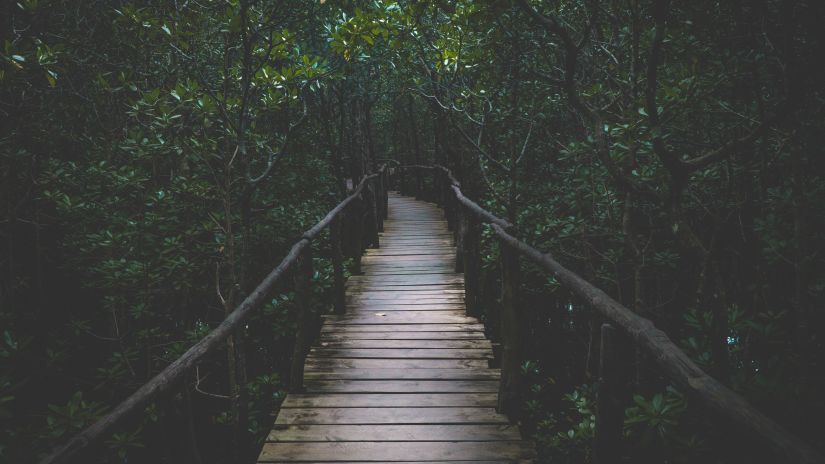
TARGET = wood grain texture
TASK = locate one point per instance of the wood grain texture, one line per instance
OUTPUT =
(403, 375)
(394, 451)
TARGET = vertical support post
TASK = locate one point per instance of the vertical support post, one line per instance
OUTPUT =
(372, 211)
(511, 333)
(379, 197)
(339, 296)
(607, 445)
(306, 319)
(378, 187)
(388, 181)
(447, 203)
(358, 239)
(471, 264)
(460, 237)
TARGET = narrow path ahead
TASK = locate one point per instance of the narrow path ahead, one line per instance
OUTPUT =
(403, 376)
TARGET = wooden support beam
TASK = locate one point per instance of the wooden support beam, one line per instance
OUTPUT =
(511, 333)
(607, 445)
(306, 320)
(338, 285)
(471, 257)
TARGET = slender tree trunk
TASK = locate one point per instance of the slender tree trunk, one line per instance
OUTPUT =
(800, 251)
(417, 158)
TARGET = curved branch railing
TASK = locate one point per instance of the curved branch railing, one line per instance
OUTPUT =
(672, 360)
(298, 260)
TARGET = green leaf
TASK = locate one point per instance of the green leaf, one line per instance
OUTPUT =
(51, 76)
(658, 400)
(9, 339)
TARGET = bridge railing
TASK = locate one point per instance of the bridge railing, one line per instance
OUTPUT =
(363, 211)
(465, 219)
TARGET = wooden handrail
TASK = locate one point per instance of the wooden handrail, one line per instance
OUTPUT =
(177, 370)
(669, 357)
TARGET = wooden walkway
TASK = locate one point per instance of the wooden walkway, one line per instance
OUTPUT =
(403, 376)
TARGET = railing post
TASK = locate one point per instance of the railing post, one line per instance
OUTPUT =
(387, 187)
(372, 209)
(358, 239)
(306, 319)
(607, 445)
(471, 264)
(446, 201)
(511, 333)
(339, 297)
(379, 201)
(460, 237)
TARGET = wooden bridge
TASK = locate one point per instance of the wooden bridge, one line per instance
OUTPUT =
(404, 374)
(400, 372)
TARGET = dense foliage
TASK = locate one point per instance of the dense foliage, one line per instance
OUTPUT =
(158, 158)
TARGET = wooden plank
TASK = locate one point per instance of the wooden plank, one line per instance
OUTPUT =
(432, 344)
(404, 253)
(395, 451)
(401, 317)
(380, 272)
(390, 363)
(401, 386)
(391, 415)
(508, 461)
(377, 400)
(417, 259)
(402, 298)
(433, 304)
(394, 241)
(410, 280)
(340, 328)
(400, 374)
(416, 248)
(396, 335)
(416, 353)
(406, 432)
(408, 295)
(374, 307)
(394, 287)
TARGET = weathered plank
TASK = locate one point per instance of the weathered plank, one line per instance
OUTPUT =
(378, 306)
(406, 328)
(401, 317)
(432, 344)
(379, 400)
(485, 461)
(396, 335)
(390, 363)
(391, 415)
(401, 353)
(401, 386)
(394, 451)
(410, 292)
(385, 432)
(341, 373)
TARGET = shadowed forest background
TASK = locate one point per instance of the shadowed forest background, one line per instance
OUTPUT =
(158, 158)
